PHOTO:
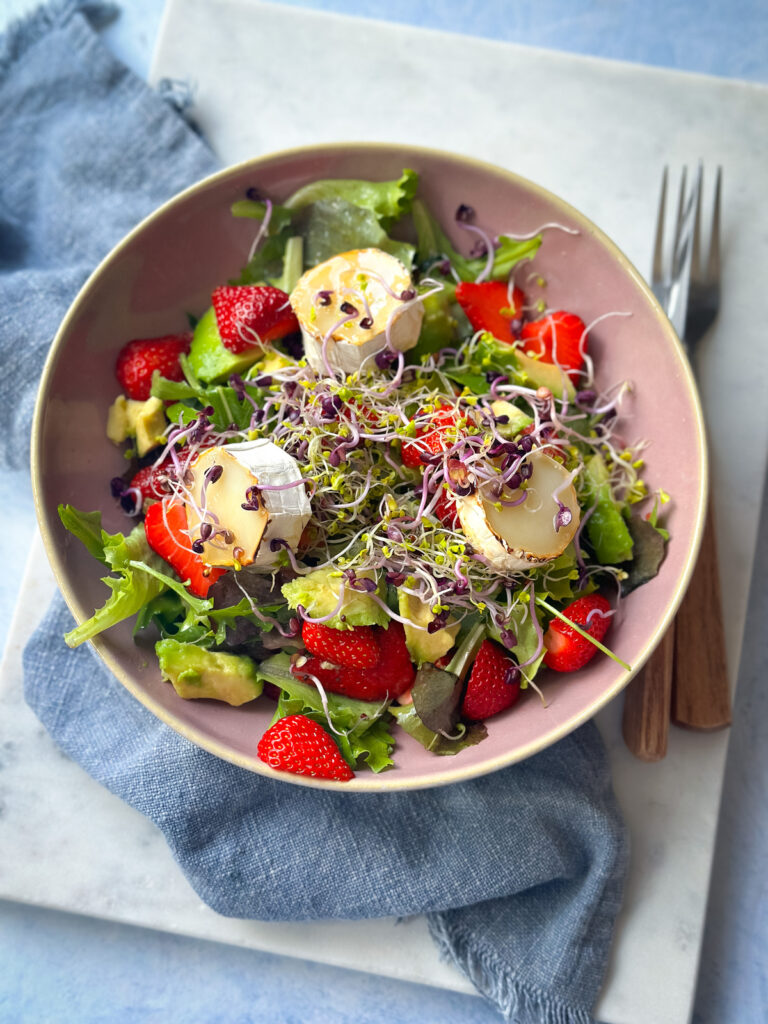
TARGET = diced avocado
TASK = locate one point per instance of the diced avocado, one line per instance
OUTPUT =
(537, 374)
(318, 593)
(606, 529)
(517, 420)
(270, 362)
(195, 673)
(143, 420)
(423, 646)
(150, 423)
(209, 359)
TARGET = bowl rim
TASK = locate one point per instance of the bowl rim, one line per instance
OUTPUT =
(368, 782)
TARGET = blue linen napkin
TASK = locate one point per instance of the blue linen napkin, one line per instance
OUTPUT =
(520, 873)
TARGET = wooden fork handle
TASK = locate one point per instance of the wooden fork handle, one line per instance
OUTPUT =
(645, 719)
(701, 695)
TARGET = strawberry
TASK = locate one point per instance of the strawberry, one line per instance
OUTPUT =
(390, 677)
(558, 337)
(165, 524)
(566, 649)
(152, 481)
(494, 683)
(432, 437)
(252, 314)
(445, 509)
(354, 648)
(488, 307)
(297, 744)
(138, 360)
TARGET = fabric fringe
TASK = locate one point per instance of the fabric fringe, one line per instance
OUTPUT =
(518, 1003)
(25, 31)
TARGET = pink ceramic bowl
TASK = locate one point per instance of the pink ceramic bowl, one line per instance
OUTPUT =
(169, 265)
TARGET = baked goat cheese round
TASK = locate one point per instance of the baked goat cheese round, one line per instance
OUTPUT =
(232, 509)
(524, 535)
(353, 306)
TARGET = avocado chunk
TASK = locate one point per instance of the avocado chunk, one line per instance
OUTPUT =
(422, 645)
(318, 593)
(535, 373)
(210, 360)
(517, 420)
(143, 420)
(195, 672)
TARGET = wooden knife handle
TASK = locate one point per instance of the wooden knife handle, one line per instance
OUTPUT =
(645, 720)
(701, 694)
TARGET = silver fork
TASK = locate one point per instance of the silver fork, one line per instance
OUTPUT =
(688, 290)
(685, 679)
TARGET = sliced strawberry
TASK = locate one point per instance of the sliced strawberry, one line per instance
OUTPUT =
(298, 745)
(557, 338)
(138, 360)
(434, 437)
(488, 307)
(445, 509)
(152, 481)
(165, 525)
(393, 674)
(252, 315)
(353, 648)
(494, 683)
(567, 650)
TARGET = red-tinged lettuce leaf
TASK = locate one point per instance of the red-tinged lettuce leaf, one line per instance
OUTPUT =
(648, 553)
(408, 719)
(436, 698)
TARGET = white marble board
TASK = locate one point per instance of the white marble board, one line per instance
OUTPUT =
(598, 133)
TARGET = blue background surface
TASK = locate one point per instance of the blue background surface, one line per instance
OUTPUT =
(71, 970)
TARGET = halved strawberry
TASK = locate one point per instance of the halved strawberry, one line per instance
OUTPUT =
(298, 745)
(434, 437)
(152, 481)
(138, 360)
(494, 683)
(488, 307)
(252, 315)
(567, 650)
(391, 676)
(165, 525)
(445, 509)
(557, 338)
(354, 648)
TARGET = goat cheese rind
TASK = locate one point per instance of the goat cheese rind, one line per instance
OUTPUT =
(282, 514)
(365, 280)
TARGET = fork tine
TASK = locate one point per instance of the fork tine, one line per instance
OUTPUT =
(657, 272)
(680, 206)
(696, 242)
(712, 276)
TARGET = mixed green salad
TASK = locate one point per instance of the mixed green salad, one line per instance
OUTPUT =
(376, 482)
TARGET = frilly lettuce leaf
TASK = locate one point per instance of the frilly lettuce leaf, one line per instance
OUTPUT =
(362, 731)
(387, 200)
(318, 593)
(130, 592)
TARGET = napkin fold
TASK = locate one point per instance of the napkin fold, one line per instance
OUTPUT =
(521, 872)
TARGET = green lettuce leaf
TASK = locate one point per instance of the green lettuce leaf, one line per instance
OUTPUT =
(388, 201)
(130, 592)
(362, 731)
(86, 526)
(606, 529)
(434, 244)
(334, 225)
(648, 553)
